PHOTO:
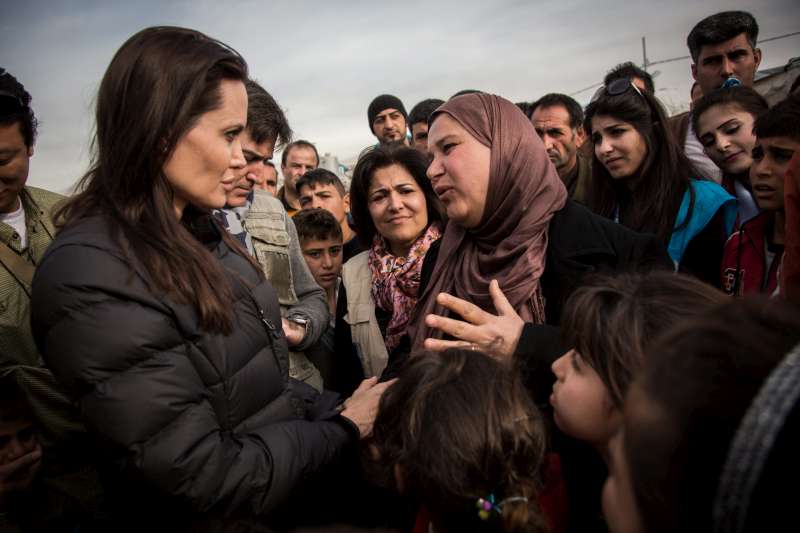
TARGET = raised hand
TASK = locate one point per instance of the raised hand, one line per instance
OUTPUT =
(494, 335)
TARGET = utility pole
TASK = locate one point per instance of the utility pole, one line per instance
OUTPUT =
(645, 63)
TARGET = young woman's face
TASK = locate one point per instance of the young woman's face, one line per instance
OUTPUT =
(618, 146)
(726, 133)
(207, 161)
(398, 207)
(459, 171)
(581, 403)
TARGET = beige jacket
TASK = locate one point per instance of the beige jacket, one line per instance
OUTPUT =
(364, 329)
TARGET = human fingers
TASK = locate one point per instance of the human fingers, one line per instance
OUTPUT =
(455, 328)
(20, 463)
(466, 310)
(366, 384)
(501, 303)
(440, 345)
(380, 388)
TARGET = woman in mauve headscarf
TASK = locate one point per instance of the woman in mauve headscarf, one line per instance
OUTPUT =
(516, 246)
(500, 196)
(510, 221)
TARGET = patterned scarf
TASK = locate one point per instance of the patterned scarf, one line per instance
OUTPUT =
(395, 280)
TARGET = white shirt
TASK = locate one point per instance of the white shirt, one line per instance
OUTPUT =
(702, 164)
(16, 219)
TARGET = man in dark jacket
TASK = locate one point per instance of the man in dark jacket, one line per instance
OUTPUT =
(558, 119)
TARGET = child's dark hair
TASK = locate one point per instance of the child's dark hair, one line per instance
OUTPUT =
(612, 320)
(685, 407)
(783, 120)
(316, 224)
(460, 426)
(321, 176)
(744, 98)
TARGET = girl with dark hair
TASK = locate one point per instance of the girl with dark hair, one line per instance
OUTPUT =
(397, 216)
(458, 434)
(610, 324)
(161, 326)
(723, 122)
(642, 179)
(711, 425)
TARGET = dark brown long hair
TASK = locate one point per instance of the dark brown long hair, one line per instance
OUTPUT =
(612, 320)
(461, 426)
(157, 86)
(662, 178)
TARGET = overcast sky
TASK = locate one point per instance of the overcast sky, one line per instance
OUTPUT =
(324, 61)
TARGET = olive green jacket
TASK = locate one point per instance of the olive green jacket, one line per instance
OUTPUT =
(18, 354)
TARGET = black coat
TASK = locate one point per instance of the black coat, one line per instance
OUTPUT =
(191, 425)
(579, 244)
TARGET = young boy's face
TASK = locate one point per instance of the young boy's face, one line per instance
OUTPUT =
(324, 259)
(771, 156)
(20, 454)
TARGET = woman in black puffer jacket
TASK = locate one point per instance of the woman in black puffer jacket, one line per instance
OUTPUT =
(162, 327)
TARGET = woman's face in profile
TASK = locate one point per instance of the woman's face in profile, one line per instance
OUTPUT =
(207, 161)
(459, 171)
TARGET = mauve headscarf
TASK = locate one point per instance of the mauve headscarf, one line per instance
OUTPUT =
(510, 242)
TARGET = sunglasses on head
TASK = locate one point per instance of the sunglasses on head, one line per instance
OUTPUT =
(616, 88)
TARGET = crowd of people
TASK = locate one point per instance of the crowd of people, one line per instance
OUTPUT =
(519, 317)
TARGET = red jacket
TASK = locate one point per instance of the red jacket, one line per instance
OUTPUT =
(790, 285)
(746, 266)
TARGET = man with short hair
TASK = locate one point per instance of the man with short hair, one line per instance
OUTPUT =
(388, 119)
(260, 223)
(558, 119)
(298, 158)
(640, 77)
(322, 189)
(270, 183)
(418, 121)
(722, 46)
(26, 231)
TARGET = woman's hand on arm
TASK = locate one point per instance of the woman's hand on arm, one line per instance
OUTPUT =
(362, 407)
(494, 335)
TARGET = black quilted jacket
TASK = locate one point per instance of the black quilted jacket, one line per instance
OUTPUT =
(190, 425)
